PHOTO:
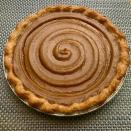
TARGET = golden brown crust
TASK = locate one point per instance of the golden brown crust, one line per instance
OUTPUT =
(42, 104)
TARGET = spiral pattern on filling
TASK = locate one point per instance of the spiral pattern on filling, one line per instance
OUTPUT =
(65, 57)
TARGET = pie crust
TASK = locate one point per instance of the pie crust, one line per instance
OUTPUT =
(43, 104)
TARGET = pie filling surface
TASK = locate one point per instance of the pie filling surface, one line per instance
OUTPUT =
(65, 57)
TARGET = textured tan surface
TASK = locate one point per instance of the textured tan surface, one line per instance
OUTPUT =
(15, 115)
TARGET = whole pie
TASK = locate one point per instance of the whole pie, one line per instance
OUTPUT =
(65, 59)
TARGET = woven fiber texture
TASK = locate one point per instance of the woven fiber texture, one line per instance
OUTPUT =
(16, 116)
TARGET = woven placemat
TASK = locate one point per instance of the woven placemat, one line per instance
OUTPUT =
(16, 116)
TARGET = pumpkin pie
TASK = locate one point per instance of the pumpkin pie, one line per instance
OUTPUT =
(64, 59)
